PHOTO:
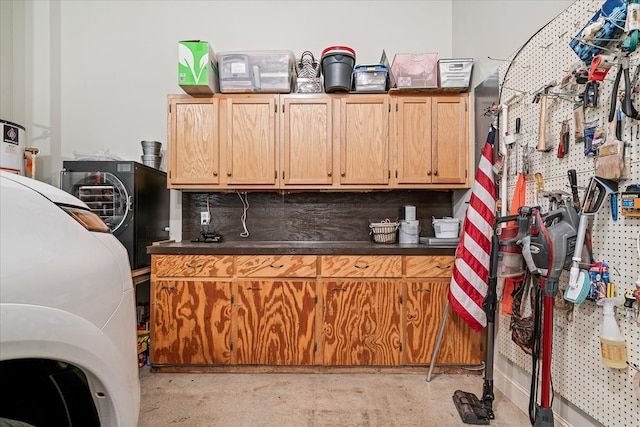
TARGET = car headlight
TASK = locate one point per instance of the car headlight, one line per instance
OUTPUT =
(86, 218)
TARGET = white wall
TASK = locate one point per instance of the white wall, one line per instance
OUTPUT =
(497, 28)
(92, 76)
(119, 59)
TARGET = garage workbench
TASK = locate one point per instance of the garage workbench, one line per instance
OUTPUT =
(238, 305)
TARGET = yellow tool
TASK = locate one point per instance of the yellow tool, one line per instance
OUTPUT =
(539, 187)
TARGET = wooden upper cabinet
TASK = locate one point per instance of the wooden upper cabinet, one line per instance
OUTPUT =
(413, 140)
(431, 141)
(307, 140)
(364, 140)
(249, 132)
(193, 144)
(318, 141)
(450, 140)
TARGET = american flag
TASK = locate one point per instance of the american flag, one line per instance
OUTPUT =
(471, 267)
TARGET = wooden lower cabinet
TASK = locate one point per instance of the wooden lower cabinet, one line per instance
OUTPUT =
(424, 303)
(304, 310)
(275, 322)
(360, 322)
(190, 322)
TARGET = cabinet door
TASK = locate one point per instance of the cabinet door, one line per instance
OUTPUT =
(450, 140)
(193, 144)
(307, 140)
(413, 140)
(424, 307)
(364, 140)
(249, 130)
(360, 322)
(275, 322)
(190, 322)
(423, 312)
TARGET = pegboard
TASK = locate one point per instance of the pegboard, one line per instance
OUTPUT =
(577, 371)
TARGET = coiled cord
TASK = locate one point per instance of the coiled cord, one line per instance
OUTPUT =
(244, 198)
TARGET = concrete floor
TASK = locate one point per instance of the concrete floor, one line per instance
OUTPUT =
(327, 399)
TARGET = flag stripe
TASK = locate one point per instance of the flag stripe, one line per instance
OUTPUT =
(473, 255)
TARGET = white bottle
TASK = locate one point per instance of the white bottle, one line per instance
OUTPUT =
(613, 347)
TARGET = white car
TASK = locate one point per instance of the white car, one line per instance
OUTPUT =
(68, 340)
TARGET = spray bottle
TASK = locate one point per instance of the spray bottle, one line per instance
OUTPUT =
(612, 344)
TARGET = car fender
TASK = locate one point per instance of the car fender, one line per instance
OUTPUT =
(30, 331)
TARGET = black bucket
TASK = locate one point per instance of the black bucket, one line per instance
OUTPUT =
(337, 68)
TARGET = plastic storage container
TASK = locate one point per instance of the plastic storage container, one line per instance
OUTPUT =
(409, 232)
(257, 71)
(510, 260)
(370, 78)
(446, 227)
(337, 67)
(455, 72)
(415, 70)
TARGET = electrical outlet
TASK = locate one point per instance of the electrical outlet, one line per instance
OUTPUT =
(205, 218)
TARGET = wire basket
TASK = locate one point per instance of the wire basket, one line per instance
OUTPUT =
(384, 232)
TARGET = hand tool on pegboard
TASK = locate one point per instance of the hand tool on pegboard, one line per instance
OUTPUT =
(539, 187)
(573, 183)
(517, 137)
(590, 94)
(626, 103)
(563, 145)
(540, 97)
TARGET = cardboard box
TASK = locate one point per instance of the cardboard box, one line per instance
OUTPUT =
(197, 68)
(415, 70)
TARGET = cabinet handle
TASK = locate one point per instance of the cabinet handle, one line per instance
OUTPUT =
(435, 172)
(276, 266)
(215, 173)
(446, 267)
(193, 266)
(429, 173)
(254, 289)
(342, 174)
(338, 289)
(421, 290)
(329, 173)
(228, 173)
(362, 267)
(172, 288)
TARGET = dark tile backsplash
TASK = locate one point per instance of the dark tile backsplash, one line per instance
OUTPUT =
(311, 215)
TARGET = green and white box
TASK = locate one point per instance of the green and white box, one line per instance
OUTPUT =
(197, 67)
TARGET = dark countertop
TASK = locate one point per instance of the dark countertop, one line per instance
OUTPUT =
(295, 248)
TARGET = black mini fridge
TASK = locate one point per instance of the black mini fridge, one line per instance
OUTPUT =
(131, 198)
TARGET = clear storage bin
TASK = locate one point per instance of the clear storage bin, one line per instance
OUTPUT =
(257, 71)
